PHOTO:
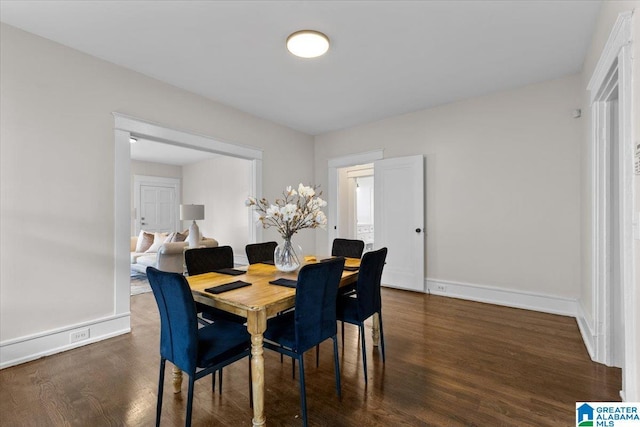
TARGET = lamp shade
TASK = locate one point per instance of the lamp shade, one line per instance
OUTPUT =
(191, 212)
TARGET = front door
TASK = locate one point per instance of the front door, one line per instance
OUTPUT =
(399, 220)
(157, 208)
(156, 204)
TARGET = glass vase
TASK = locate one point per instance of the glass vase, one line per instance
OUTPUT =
(287, 256)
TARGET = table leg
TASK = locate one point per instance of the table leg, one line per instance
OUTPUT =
(177, 379)
(375, 330)
(256, 325)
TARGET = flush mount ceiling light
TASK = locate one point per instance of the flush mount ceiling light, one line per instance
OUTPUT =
(133, 140)
(308, 44)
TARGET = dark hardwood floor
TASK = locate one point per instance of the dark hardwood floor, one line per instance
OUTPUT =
(449, 363)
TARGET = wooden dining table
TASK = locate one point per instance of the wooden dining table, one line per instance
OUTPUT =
(257, 303)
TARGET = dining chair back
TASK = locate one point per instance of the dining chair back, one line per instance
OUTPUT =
(312, 322)
(349, 248)
(206, 260)
(366, 301)
(197, 352)
(260, 252)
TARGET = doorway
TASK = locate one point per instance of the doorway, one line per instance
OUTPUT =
(356, 204)
(615, 334)
(124, 128)
(398, 214)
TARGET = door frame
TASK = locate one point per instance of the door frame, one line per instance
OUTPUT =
(332, 192)
(613, 68)
(126, 126)
(156, 181)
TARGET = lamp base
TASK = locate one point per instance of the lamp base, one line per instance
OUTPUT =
(194, 235)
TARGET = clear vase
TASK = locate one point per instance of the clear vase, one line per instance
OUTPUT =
(287, 256)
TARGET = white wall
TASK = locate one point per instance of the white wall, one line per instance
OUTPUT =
(57, 182)
(502, 185)
(222, 184)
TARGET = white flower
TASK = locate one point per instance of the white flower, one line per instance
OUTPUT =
(291, 191)
(305, 191)
(288, 211)
(272, 211)
(250, 201)
(321, 218)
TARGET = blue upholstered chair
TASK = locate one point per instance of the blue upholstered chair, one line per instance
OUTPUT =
(347, 248)
(195, 351)
(260, 252)
(206, 260)
(358, 307)
(313, 320)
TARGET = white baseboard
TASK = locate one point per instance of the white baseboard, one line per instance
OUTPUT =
(587, 332)
(25, 349)
(501, 296)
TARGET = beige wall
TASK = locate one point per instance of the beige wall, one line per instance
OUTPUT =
(155, 169)
(222, 184)
(57, 173)
(502, 184)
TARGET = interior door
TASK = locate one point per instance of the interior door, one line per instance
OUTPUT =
(157, 208)
(399, 220)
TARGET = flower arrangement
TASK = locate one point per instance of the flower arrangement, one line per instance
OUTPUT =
(297, 210)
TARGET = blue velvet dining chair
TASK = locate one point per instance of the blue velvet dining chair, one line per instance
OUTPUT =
(349, 248)
(260, 252)
(366, 301)
(197, 352)
(207, 260)
(312, 322)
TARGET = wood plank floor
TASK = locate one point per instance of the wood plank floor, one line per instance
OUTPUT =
(449, 363)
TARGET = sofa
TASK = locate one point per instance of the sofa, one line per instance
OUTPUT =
(164, 254)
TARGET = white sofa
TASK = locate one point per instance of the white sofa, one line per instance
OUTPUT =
(169, 257)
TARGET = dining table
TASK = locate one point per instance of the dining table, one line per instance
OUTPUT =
(257, 302)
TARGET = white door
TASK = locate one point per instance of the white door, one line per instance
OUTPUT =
(399, 220)
(157, 208)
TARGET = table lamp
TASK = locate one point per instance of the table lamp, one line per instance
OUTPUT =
(192, 212)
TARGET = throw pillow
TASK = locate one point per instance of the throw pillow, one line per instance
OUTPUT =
(179, 237)
(145, 240)
(158, 241)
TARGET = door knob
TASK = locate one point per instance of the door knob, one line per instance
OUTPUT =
(418, 230)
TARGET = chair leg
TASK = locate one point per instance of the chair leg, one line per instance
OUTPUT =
(293, 368)
(219, 380)
(160, 391)
(187, 421)
(342, 333)
(336, 364)
(303, 393)
(317, 355)
(364, 352)
(381, 335)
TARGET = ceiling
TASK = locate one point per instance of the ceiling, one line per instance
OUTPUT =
(386, 57)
